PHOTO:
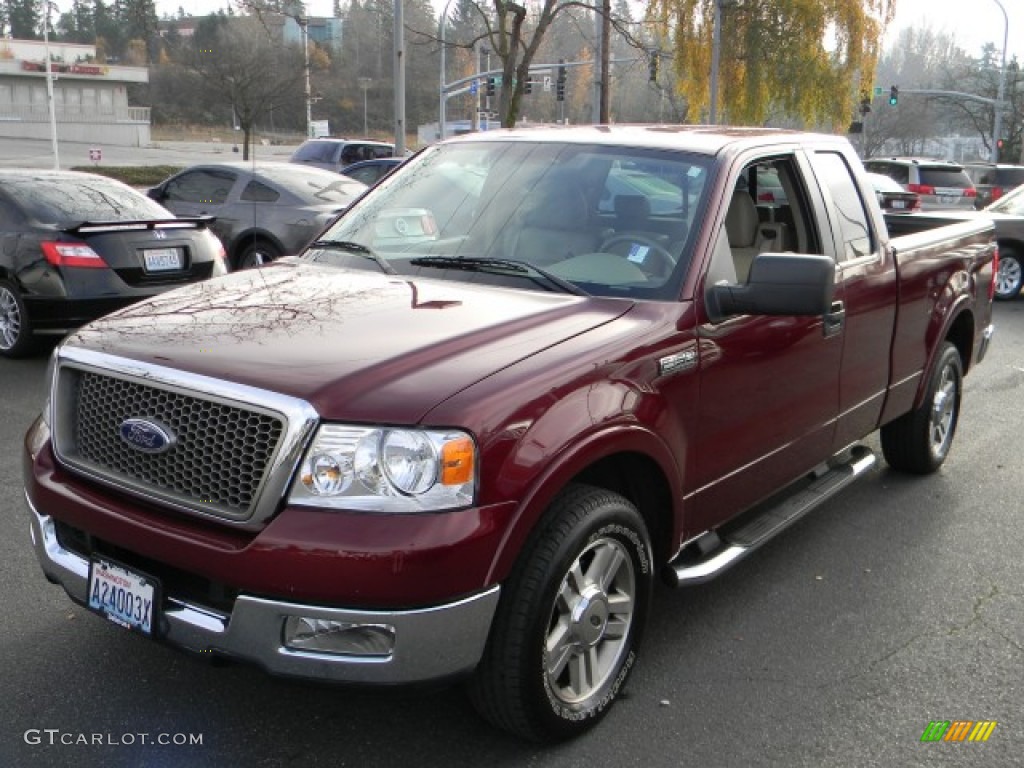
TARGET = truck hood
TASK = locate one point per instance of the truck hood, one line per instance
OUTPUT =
(356, 345)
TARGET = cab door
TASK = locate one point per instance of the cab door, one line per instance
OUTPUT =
(769, 385)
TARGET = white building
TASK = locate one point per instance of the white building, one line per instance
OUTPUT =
(90, 100)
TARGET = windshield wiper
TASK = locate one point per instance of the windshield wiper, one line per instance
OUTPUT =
(353, 247)
(498, 266)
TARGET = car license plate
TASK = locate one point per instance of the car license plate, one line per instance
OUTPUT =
(162, 259)
(899, 204)
(124, 596)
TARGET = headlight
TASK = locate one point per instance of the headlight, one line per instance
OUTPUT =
(387, 470)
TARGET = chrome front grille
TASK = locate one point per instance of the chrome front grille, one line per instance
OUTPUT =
(224, 454)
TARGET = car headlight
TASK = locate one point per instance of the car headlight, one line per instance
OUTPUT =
(384, 469)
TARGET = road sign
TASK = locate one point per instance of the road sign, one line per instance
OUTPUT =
(474, 88)
(878, 90)
(547, 83)
(95, 154)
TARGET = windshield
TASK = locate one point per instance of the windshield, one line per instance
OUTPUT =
(1012, 203)
(612, 221)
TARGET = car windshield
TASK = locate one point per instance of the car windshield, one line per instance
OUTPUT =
(64, 199)
(1012, 203)
(314, 185)
(609, 220)
(882, 183)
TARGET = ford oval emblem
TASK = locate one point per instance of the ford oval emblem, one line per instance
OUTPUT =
(147, 436)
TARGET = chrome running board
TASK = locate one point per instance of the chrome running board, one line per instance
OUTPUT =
(715, 551)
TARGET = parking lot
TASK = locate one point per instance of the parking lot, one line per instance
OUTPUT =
(897, 604)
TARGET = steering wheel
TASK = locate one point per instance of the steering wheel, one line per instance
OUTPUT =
(656, 261)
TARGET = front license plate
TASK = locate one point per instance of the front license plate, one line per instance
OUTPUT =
(162, 259)
(124, 596)
(899, 204)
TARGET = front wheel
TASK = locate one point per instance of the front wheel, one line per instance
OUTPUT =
(570, 619)
(257, 253)
(1009, 277)
(919, 441)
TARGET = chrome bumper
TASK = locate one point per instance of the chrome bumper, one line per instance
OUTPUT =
(430, 643)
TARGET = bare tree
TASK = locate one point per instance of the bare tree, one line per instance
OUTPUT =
(252, 73)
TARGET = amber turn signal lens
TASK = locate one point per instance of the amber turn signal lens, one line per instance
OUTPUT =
(457, 458)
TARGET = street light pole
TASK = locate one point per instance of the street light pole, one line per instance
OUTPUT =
(443, 105)
(49, 88)
(304, 23)
(997, 127)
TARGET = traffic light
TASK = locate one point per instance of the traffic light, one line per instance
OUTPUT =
(560, 84)
(865, 105)
(1000, 144)
(490, 86)
(894, 96)
(528, 88)
(652, 65)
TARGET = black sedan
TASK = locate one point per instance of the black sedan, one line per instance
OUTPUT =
(76, 246)
(264, 210)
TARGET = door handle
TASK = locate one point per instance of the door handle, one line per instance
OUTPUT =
(834, 319)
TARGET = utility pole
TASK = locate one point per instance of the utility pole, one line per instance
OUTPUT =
(399, 79)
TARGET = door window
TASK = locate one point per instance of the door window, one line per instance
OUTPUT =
(201, 187)
(849, 217)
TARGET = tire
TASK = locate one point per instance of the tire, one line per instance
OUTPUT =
(257, 253)
(570, 619)
(1009, 278)
(16, 339)
(919, 441)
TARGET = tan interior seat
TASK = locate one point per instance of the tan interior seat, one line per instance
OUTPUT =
(747, 235)
(555, 224)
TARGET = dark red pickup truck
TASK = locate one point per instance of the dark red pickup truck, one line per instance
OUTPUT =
(526, 373)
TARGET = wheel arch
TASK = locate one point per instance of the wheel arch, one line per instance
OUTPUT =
(250, 235)
(632, 462)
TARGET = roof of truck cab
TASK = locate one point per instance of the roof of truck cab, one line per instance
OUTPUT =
(709, 139)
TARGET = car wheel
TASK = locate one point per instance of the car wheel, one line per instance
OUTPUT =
(570, 619)
(919, 441)
(257, 253)
(1008, 278)
(16, 338)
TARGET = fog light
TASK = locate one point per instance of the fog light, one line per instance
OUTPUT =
(304, 633)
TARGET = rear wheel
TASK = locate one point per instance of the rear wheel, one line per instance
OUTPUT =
(16, 338)
(919, 441)
(569, 623)
(1009, 276)
(257, 253)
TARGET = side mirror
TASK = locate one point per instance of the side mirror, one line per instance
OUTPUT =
(155, 193)
(779, 284)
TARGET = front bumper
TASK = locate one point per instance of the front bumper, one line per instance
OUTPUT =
(429, 643)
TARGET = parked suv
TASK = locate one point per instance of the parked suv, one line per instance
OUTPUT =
(940, 184)
(335, 154)
(993, 181)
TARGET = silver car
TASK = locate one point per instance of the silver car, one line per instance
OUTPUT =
(941, 185)
(264, 210)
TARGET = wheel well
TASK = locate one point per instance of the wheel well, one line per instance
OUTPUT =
(639, 479)
(246, 238)
(961, 333)
(1012, 245)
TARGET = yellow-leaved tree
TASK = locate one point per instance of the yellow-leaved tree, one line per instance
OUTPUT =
(809, 60)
